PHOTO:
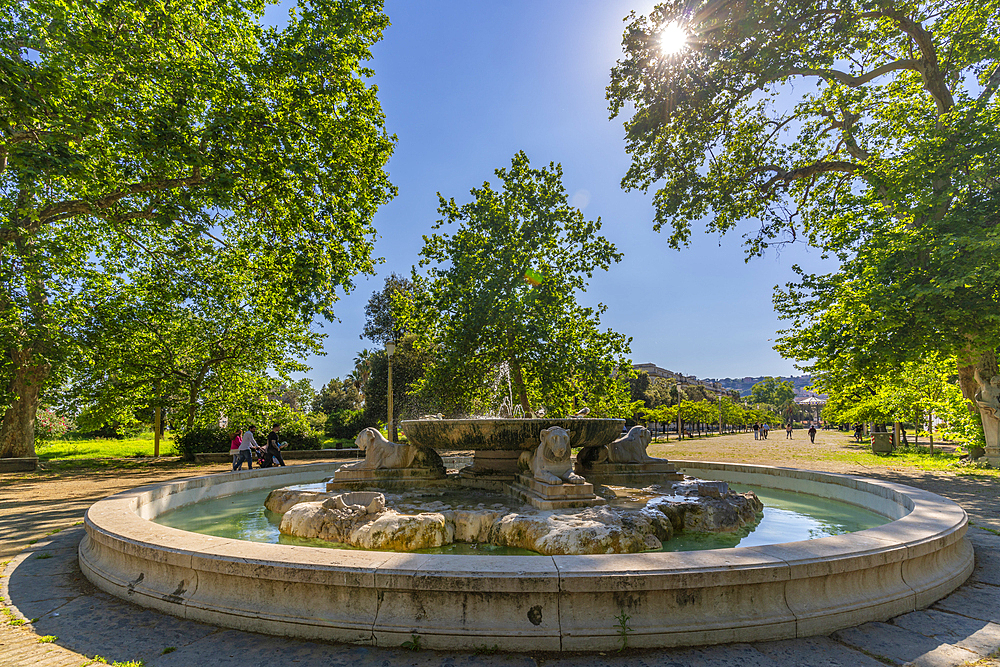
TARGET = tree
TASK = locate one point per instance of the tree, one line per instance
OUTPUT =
(128, 124)
(882, 161)
(772, 391)
(298, 395)
(337, 395)
(190, 338)
(911, 392)
(500, 293)
(383, 320)
(408, 364)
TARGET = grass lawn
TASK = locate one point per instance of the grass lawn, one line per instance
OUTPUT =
(331, 443)
(72, 448)
(96, 448)
(833, 447)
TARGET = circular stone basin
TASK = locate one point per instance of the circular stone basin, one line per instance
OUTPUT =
(551, 603)
(506, 434)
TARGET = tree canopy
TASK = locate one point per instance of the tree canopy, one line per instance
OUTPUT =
(862, 128)
(772, 391)
(500, 294)
(178, 131)
(383, 318)
(195, 337)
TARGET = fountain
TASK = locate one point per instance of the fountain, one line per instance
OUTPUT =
(556, 602)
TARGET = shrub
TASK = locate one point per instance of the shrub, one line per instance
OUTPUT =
(346, 424)
(49, 425)
(203, 439)
(298, 434)
(317, 421)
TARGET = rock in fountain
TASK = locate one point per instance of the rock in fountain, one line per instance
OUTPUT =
(357, 519)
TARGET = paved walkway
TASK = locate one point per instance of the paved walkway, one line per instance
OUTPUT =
(42, 586)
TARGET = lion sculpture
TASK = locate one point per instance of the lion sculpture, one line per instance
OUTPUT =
(380, 454)
(631, 447)
(550, 461)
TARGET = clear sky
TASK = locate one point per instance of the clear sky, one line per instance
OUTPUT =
(464, 86)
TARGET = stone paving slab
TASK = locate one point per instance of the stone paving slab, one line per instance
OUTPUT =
(232, 648)
(727, 655)
(101, 624)
(815, 652)
(987, 548)
(973, 634)
(902, 646)
(975, 600)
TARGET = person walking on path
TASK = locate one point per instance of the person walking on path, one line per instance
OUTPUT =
(788, 431)
(812, 433)
(273, 450)
(246, 453)
(234, 447)
(756, 431)
(764, 428)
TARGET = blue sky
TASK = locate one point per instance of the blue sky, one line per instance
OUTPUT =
(464, 86)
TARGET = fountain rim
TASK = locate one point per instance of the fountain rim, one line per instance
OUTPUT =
(922, 554)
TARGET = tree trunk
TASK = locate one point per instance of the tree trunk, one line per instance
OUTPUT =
(192, 406)
(17, 430)
(518, 380)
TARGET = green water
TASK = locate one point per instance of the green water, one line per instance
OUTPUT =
(788, 517)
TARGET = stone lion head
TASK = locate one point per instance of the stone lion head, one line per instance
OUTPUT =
(365, 438)
(555, 444)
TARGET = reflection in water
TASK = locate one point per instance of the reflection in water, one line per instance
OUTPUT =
(788, 517)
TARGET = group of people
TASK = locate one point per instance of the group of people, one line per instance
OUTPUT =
(243, 446)
(760, 431)
(859, 431)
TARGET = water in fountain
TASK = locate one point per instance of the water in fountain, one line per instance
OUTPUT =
(506, 407)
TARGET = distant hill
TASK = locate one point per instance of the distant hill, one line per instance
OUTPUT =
(743, 385)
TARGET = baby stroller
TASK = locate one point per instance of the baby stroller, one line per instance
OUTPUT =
(265, 460)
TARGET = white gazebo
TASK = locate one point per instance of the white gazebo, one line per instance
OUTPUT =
(814, 402)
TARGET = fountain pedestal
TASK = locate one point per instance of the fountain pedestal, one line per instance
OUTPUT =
(395, 479)
(544, 496)
(634, 475)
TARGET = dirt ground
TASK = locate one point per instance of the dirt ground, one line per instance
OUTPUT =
(35, 504)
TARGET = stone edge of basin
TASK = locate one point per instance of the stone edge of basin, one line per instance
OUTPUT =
(522, 603)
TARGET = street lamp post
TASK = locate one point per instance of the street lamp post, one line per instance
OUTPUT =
(680, 434)
(720, 413)
(390, 348)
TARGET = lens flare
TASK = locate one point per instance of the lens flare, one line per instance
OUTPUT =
(673, 39)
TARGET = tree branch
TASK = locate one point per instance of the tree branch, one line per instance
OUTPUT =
(808, 171)
(928, 66)
(857, 81)
(991, 85)
(66, 209)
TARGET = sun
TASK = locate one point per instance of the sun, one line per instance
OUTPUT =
(673, 39)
